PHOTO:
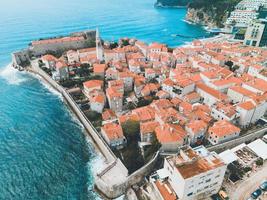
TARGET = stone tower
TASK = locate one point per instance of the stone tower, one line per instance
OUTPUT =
(99, 47)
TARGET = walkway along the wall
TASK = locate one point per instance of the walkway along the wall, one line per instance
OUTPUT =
(107, 188)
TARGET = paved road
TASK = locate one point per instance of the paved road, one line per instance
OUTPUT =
(244, 189)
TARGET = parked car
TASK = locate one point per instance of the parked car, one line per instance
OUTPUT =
(215, 197)
(256, 193)
(263, 186)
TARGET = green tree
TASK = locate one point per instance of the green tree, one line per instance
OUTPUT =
(259, 162)
(143, 102)
(131, 130)
(229, 63)
(247, 169)
(132, 157)
(93, 116)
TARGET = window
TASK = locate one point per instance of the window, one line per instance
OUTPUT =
(208, 180)
(189, 194)
(217, 176)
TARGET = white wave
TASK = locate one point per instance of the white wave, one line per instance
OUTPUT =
(188, 22)
(97, 164)
(48, 86)
(12, 76)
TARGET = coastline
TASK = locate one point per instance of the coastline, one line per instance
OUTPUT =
(45, 78)
(112, 163)
(89, 140)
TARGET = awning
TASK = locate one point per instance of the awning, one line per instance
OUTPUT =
(259, 148)
(228, 156)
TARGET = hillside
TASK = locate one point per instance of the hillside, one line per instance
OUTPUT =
(172, 3)
(210, 12)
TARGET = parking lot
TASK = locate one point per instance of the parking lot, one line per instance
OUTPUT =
(243, 190)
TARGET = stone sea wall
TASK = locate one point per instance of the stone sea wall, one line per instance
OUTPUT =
(116, 190)
(108, 189)
(102, 145)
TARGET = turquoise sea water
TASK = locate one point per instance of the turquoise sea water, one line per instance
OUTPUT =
(43, 153)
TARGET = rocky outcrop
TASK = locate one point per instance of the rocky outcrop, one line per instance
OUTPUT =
(205, 17)
(212, 13)
(172, 3)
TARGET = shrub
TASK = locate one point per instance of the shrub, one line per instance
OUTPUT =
(93, 116)
(247, 169)
(259, 162)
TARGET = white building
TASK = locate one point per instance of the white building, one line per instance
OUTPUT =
(250, 112)
(49, 61)
(210, 95)
(195, 173)
(222, 131)
(241, 17)
(73, 56)
(196, 130)
(113, 135)
(61, 71)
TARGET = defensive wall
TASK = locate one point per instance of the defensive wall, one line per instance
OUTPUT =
(78, 40)
(108, 189)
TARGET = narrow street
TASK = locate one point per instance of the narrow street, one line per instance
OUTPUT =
(245, 188)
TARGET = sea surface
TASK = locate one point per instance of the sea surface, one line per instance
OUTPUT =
(43, 151)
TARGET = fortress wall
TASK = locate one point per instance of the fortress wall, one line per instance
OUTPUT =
(92, 132)
(109, 189)
(19, 58)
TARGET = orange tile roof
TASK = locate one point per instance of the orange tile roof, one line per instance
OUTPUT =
(198, 165)
(201, 115)
(197, 125)
(87, 50)
(113, 93)
(223, 128)
(145, 113)
(186, 107)
(258, 84)
(100, 98)
(226, 108)
(191, 96)
(247, 105)
(88, 58)
(148, 127)
(176, 101)
(170, 133)
(57, 40)
(108, 114)
(168, 82)
(99, 68)
(93, 83)
(218, 95)
(161, 104)
(61, 64)
(113, 131)
(49, 57)
(162, 94)
(242, 91)
(165, 190)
